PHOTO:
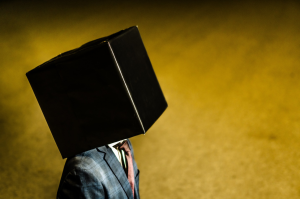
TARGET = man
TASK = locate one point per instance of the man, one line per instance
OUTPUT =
(104, 91)
(98, 173)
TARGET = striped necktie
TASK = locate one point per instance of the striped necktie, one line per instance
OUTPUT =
(126, 161)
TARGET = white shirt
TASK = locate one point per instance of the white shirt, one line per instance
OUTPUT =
(116, 151)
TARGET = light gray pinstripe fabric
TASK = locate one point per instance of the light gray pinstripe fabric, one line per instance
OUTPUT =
(97, 173)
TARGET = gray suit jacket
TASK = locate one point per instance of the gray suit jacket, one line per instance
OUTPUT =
(97, 173)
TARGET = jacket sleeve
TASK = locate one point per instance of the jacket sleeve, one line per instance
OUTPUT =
(80, 184)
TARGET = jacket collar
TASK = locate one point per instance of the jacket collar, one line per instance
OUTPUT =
(116, 168)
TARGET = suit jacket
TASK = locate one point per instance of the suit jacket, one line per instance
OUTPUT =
(97, 173)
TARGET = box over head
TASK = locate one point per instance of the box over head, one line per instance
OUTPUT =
(104, 91)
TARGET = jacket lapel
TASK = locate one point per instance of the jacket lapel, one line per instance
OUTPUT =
(117, 169)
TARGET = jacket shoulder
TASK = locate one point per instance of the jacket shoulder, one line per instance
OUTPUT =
(84, 161)
(79, 174)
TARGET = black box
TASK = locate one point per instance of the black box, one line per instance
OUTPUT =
(104, 91)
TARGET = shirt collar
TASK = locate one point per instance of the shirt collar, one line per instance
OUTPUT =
(114, 143)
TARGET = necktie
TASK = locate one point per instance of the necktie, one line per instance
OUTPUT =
(127, 162)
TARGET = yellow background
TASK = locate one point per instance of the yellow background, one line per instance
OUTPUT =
(229, 71)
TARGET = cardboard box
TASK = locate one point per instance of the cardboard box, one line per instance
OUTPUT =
(104, 91)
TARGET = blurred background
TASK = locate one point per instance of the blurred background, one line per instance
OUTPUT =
(229, 71)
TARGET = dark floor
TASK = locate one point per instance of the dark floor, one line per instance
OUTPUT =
(230, 73)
